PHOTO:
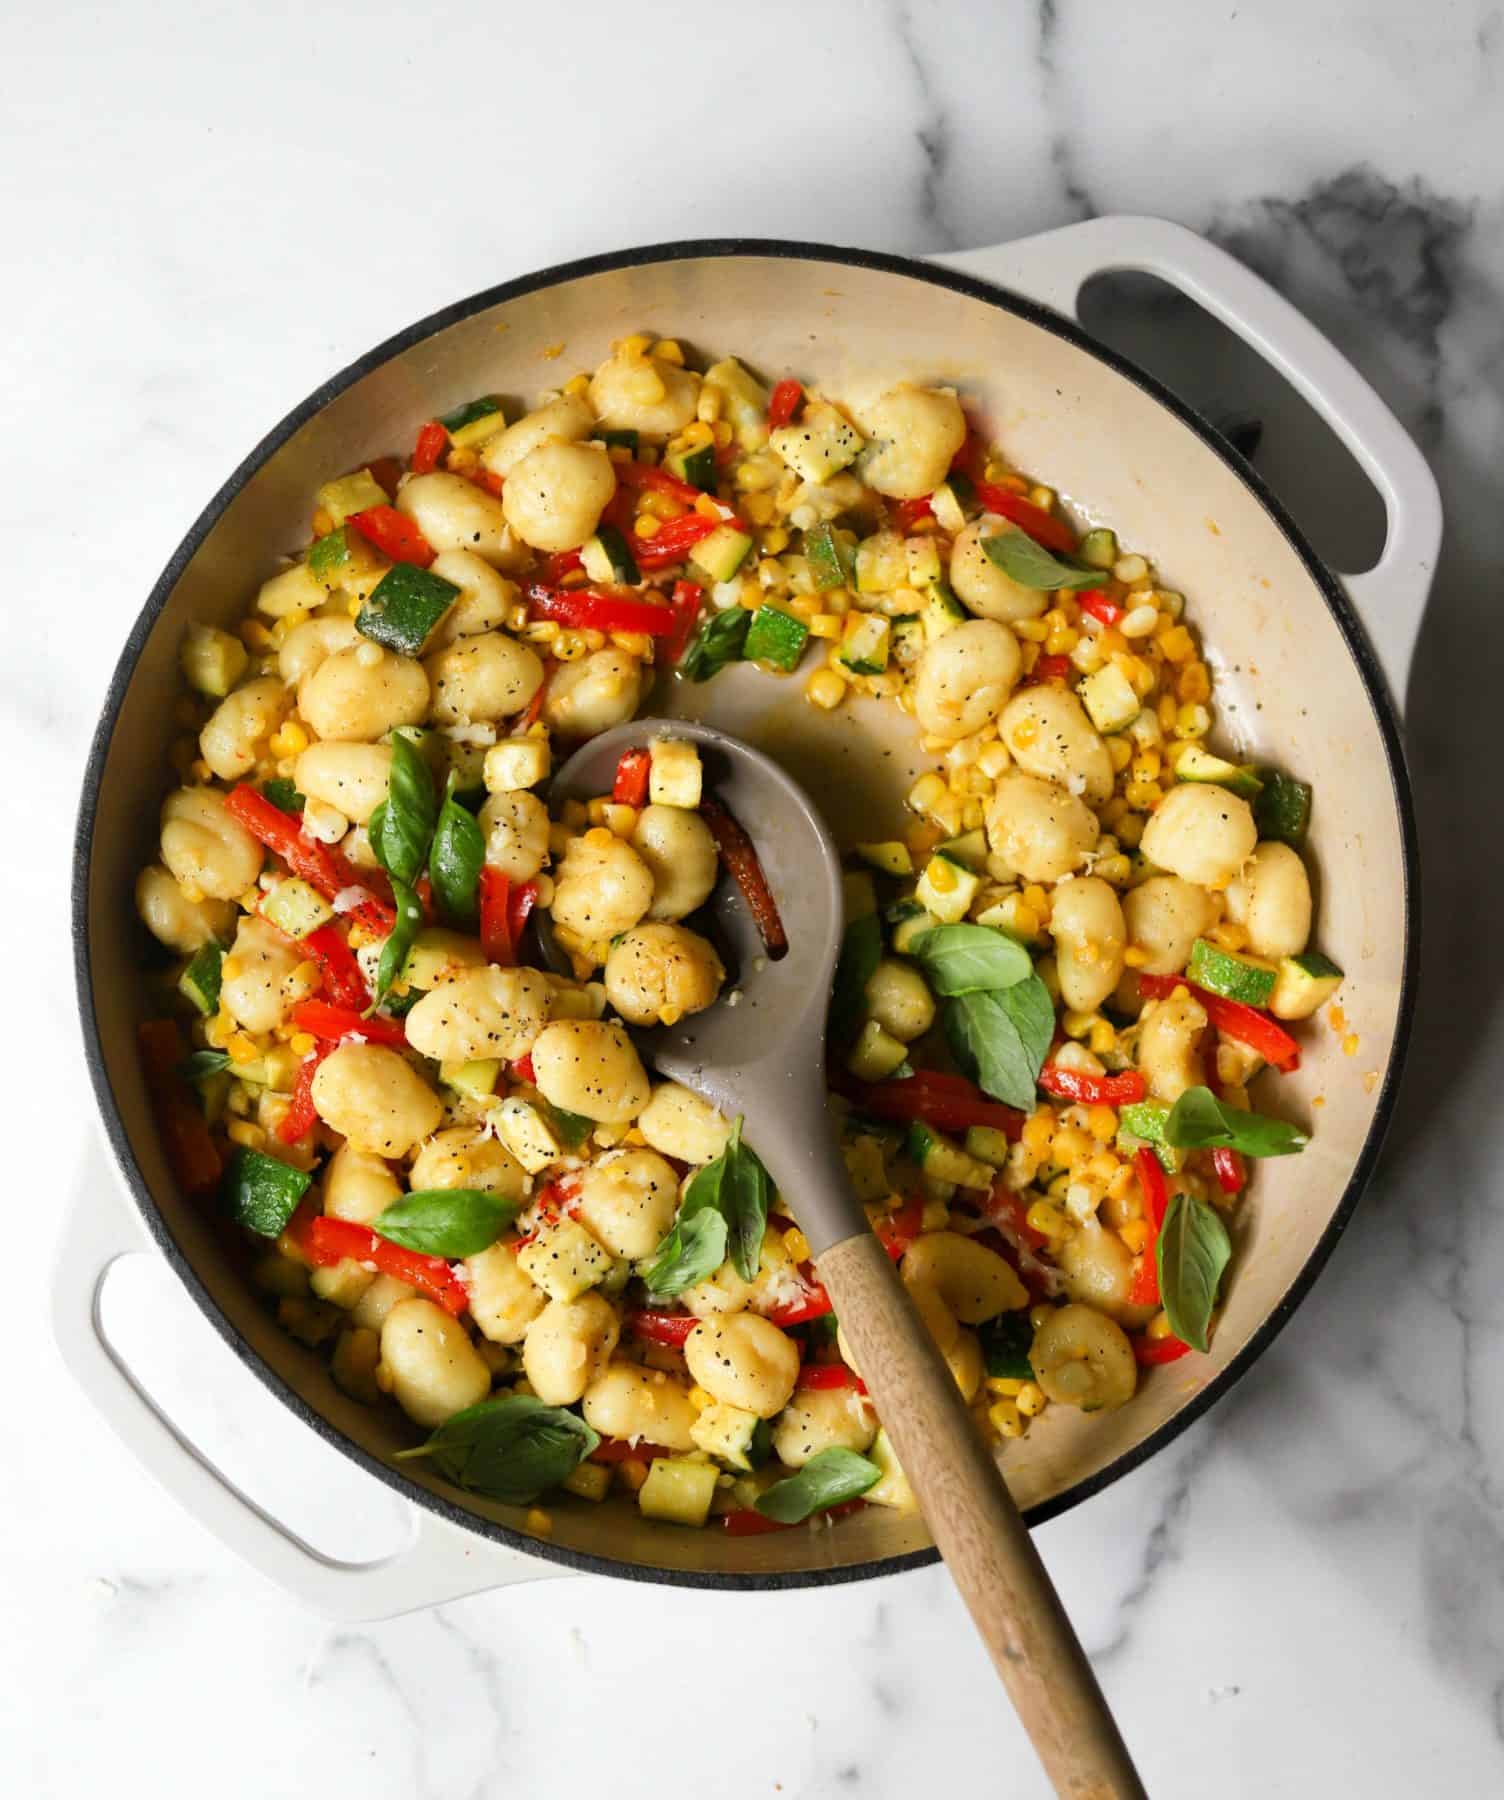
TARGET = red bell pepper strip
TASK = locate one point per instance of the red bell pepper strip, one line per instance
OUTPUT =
(325, 1241)
(487, 479)
(685, 602)
(744, 1522)
(661, 1327)
(560, 564)
(1144, 1290)
(433, 441)
(191, 1151)
(1245, 1023)
(822, 1377)
(322, 868)
(522, 1070)
(950, 1103)
(394, 535)
(519, 910)
(582, 609)
(619, 1450)
(900, 1228)
(343, 982)
(1100, 606)
(335, 1023)
(814, 1304)
(908, 513)
(1227, 1166)
(673, 542)
(785, 400)
(1006, 1209)
(632, 772)
(1049, 668)
(1148, 1351)
(1043, 527)
(302, 1115)
(1093, 1090)
(746, 871)
(643, 475)
(534, 710)
(495, 897)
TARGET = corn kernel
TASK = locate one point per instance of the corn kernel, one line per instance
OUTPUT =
(1031, 1400)
(796, 1243)
(1047, 1219)
(1102, 1038)
(775, 539)
(646, 526)
(632, 1473)
(1158, 1326)
(759, 508)
(1178, 644)
(1005, 1385)
(722, 434)
(1143, 796)
(1102, 1123)
(699, 1399)
(539, 1521)
(1135, 1234)
(1194, 684)
(1350, 1044)
(825, 688)
(708, 406)
(254, 635)
(244, 1133)
(1062, 641)
(942, 876)
(825, 625)
(1006, 1418)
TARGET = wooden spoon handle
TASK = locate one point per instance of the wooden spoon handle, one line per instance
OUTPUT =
(977, 1527)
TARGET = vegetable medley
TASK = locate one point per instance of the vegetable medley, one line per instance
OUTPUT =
(1053, 992)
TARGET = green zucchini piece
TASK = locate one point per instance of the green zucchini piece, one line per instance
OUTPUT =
(199, 982)
(939, 1158)
(831, 562)
(1196, 764)
(1248, 979)
(722, 553)
(864, 643)
(696, 466)
(776, 637)
(351, 494)
(608, 557)
(261, 1193)
(1099, 548)
(1006, 1343)
(484, 407)
(1305, 982)
(1283, 809)
(404, 607)
(619, 440)
(341, 557)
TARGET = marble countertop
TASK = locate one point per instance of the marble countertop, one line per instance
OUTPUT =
(208, 214)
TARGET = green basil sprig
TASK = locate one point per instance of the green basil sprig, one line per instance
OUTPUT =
(402, 938)
(692, 1252)
(450, 1222)
(725, 1208)
(968, 959)
(1200, 1121)
(1001, 1038)
(284, 793)
(401, 827)
(1192, 1251)
(826, 1480)
(719, 642)
(510, 1449)
(861, 951)
(1031, 565)
(202, 1064)
(262, 1193)
(454, 860)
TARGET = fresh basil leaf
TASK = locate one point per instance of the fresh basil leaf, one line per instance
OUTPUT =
(1031, 565)
(861, 951)
(454, 860)
(1001, 1038)
(969, 959)
(400, 828)
(262, 1193)
(719, 641)
(1006, 1343)
(510, 1449)
(404, 932)
(450, 1222)
(283, 793)
(826, 1480)
(692, 1251)
(746, 1190)
(1192, 1251)
(202, 1064)
(1199, 1121)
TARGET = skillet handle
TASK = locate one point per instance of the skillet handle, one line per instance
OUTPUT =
(438, 1563)
(1052, 268)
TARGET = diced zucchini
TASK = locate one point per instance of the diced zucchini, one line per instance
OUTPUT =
(212, 661)
(404, 607)
(474, 422)
(678, 1490)
(906, 640)
(434, 953)
(969, 849)
(199, 982)
(527, 1134)
(607, 557)
(1006, 1343)
(342, 558)
(622, 438)
(891, 858)
(866, 1166)
(696, 465)
(721, 554)
(341, 1283)
(1283, 809)
(475, 1079)
(832, 558)
(564, 1260)
(945, 504)
(351, 494)
(1196, 764)
(732, 1435)
(467, 764)
(943, 612)
(943, 1160)
(987, 1144)
(675, 774)
(744, 402)
(1108, 696)
(922, 557)
(947, 889)
(909, 919)
(262, 1193)
(858, 895)
(881, 563)
(294, 590)
(864, 643)
(1246, 978)
(1099, 548)
(515, 763)
(776, 637)
(819, 444)
(893, 1489)
(875, 1055)
(1014, 915)
(296, 908)
(1304, 983)
(590, 1480)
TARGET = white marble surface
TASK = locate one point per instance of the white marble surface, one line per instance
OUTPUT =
(207, 213)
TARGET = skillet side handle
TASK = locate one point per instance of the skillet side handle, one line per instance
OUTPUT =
(978, 1528)
(1052, 268)
(439, 1563)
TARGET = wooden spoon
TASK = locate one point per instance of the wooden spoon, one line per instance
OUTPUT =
(764, 1056)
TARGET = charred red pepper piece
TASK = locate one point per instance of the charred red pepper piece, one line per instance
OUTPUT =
(433, 441)
(746, 871)
(1125, 1089)
(785, 400)
(394, 535)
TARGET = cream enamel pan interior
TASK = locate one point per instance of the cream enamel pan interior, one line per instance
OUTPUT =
(1297, 683)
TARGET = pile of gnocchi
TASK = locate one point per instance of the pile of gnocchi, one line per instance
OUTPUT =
(448, 1162)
